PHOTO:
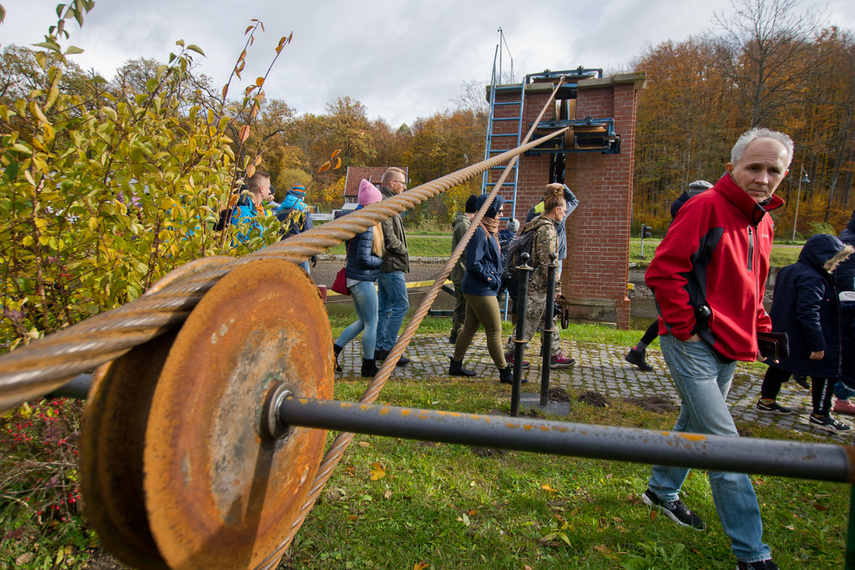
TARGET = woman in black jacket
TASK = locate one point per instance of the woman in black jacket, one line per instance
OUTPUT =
(807, 308)
(480, 288)
(364, 258)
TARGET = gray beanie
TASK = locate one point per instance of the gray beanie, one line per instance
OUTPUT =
(697, 187)
(513, 225)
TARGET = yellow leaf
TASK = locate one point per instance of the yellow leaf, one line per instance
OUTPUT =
(250, 171)
(546, 487)
(335, 153)
(377, 471)
(244, 133)
(259, 81)
(420, 565)
(324, 167)
(52, 95)
(37, 111)
(257, 160)
(337, 163)
(49, 133)
(364, 444)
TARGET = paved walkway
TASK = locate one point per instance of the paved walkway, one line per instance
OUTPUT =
(601, 368)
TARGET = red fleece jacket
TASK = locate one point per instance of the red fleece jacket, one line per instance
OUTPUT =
(716, 253)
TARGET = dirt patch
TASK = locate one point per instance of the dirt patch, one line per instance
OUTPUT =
(104, 561)
(558, 395)
(485, 452)
(656, 404)
(595, 399)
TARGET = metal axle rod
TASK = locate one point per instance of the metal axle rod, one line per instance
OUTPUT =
(821, 462)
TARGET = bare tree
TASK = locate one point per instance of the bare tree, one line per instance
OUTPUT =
(473, 97)
(765, 54)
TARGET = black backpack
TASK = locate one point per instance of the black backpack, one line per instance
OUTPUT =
(517, 246)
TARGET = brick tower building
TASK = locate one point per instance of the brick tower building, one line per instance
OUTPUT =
(595, 160)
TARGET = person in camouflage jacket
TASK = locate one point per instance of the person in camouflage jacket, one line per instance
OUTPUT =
(545, 243)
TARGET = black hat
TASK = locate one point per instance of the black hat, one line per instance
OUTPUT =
(470, 204)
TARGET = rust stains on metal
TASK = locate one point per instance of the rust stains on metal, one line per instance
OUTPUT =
(221, 496)
(111, 452)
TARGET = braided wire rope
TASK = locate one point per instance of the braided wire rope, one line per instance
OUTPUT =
(343, 439)
(44, 365)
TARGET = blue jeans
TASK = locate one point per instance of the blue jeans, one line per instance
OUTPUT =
(393, 308)
(703, 382)
(364, 297)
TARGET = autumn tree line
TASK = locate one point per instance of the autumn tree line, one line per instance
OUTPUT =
(108, 184)
(768, 63)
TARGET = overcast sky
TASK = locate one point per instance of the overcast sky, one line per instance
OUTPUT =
(402, 60)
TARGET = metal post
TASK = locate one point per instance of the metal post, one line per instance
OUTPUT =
(519, 334)
(850, 538)
(548, 330)
(804, 179)
(818, 461)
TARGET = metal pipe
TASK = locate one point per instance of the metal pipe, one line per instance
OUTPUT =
(78, 388)
(548, 330)
(519, 333)
(821, 462)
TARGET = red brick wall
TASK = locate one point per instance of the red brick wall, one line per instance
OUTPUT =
(596, 271)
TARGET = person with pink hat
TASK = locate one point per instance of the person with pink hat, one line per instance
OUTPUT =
(364, 259)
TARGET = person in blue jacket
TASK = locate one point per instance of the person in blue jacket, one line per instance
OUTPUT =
(250, 208)
(364, 259)
(480, 288)
(806, 306)
(295, 217)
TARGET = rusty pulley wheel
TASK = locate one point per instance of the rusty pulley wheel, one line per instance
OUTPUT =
(111, 452)
(218, 493)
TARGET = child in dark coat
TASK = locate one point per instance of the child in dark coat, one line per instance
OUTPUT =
(807, 308)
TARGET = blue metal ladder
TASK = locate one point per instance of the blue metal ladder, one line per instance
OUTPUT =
(498, 143)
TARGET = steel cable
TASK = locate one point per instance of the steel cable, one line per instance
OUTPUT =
(343, 440)
(44, 365)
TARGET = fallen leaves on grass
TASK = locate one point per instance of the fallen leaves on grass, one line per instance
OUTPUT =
(377, 471)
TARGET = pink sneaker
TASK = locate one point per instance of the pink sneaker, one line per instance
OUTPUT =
(844, 407)
(509, 358)
(561, 361)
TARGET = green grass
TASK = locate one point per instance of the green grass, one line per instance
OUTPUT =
(396, 503)
(433, 246)
(783, 254)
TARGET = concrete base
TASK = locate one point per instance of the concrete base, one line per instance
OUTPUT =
(531, 401)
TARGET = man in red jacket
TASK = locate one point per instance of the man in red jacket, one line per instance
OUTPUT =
(708, 278)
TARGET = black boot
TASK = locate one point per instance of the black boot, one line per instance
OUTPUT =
(337, 350)
(369, 368)
(456, 369)
(506, 375)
